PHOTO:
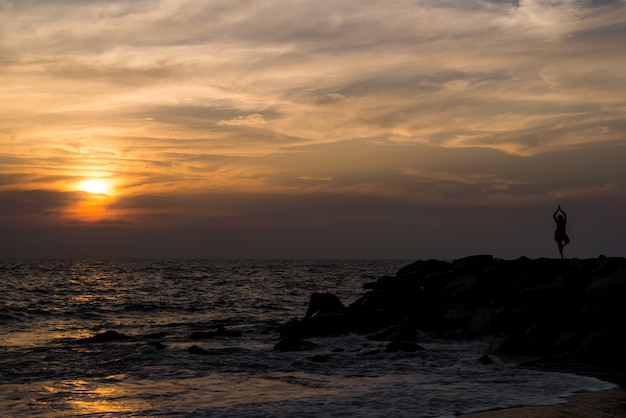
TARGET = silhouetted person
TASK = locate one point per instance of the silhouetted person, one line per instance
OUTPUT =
(560, 236)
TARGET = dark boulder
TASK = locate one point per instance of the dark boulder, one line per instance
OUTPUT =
(605, 345)
(325, 316)
(294, 344)
(423, 268)
(483, 321)
(401, 332)
(321, 358)
(324, 303)
(473, 264)
(157, 345)
(220, 332)
(194, 349)
(315, 326)
(606, 298)
(379, 309)
(404, 346)
(573, 310)
(383, 283)
(105, 337)
(156, 335)
(487, 360)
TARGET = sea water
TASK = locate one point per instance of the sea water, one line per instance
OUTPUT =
(47, 369)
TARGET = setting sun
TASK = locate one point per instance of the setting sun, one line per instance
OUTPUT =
(94, 187)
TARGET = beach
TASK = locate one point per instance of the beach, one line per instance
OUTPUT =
(610, 403)
(600, 404)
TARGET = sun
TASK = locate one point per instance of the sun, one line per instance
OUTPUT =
(94, 202)
(94, 187)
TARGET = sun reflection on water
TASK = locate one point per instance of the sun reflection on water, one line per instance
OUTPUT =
(120, 394)
(96, 398)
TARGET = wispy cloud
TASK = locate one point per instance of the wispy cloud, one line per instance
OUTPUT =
(427, 99)
(249, 120)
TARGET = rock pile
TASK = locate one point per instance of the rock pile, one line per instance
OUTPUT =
(569, 309)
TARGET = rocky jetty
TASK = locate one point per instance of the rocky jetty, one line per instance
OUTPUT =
(104, 337)
(568, 310)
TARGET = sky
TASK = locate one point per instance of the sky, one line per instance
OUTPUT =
(405, 129)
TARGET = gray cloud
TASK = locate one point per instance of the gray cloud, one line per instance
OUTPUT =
(270, 115)
(40, 202)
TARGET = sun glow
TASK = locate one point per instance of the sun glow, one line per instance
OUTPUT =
(95, 204)
(94, 187)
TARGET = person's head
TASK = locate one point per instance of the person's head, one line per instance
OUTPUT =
(560, 218)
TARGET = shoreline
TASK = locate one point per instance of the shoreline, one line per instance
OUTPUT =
(601, 404)
(544, 314)
(609, 403)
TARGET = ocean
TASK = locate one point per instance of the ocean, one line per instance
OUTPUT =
(49, 367)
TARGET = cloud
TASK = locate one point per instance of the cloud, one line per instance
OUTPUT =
(39, 201)
(400, 70)
(431, 102)
(33, 207)
(249, 120)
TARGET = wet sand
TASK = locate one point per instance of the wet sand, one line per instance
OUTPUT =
(611, 403)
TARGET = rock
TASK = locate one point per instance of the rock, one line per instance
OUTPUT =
(385, 282)
(155, 335)
(379, 309)
(201, 335)
(324, 303)
(405, 346)
(459, 286)
(423, 268)
(402, 332)
(453, 315)
(487, 360)
(320, 358)
(194, 349)
(294, 344)
(315, 326)
(105, 337)
(220, 332)
(373, 352)
(157, 345)
(148, 350)
(472, 264)
(482, 322)
(551, 308)
(325, 316)
(604, 346)
(606, 266)
(605, 297)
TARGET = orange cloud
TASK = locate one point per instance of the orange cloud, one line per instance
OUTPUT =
(453, 103)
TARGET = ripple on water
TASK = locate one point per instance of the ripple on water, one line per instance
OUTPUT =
(46, 371)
